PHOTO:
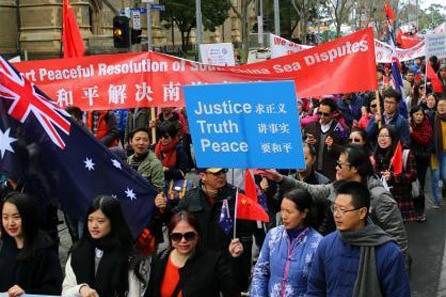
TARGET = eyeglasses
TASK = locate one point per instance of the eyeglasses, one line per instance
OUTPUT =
(383, 136)
(421, 88)
(342, 211)
(340, 164)
(219, 172)
(357, 140)
(176, 237)
(325, 114)
(166, 136)
(373, 106)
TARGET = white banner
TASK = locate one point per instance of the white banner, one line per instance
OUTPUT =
(436, 45)
(281, 46)
(383, 52)
(220, 54)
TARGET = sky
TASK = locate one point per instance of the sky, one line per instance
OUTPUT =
(426, 3)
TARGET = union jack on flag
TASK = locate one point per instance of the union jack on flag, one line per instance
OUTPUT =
(27, 100)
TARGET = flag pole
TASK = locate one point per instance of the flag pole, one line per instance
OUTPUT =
(235, 215)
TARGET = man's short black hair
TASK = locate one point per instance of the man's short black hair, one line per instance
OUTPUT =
(391, 93)
(141, 129)
(329, 102)
(359, 192)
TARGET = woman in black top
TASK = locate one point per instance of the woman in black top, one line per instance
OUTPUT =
(28, 261)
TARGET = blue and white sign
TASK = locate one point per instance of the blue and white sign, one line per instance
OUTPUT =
(160, 7)
(245, 125)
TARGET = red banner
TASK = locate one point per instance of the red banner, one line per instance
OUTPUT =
(344, 65)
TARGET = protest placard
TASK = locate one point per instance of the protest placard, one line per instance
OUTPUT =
(245, 125)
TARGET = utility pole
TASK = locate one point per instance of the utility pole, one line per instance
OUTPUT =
(276, 18)
(199, 21)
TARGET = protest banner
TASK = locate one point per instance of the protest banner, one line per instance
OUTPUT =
(281, 46)
(343, 65)
(221, 54)
(383, 51)
(436, 45)
(245, 125)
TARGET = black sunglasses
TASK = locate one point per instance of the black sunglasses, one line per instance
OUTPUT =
(325, 114)
(187, 236)
(373, 106)
(354, 140)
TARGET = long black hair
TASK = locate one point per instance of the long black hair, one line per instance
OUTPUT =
(119, 237)
(31, 221)
(302, 201)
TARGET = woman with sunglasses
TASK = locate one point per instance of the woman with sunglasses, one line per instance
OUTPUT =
(186, 270)
(368, 112)
(28, 260)
(287, 253)
(358, 138)
(400, 184)
(419, 97)
(104, 261)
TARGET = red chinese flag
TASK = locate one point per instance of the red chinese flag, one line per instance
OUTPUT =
(397, 160)
(250, 186)
(435, 81)
(73, 44)
(389, 12)
(248, 209)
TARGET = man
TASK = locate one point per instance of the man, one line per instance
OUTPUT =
(206, 202)
(359, 259)
(103, 125)
(410, 77)
(328, 136)
(354, 165)
(144, 160)
(391, 117)
(323, 218)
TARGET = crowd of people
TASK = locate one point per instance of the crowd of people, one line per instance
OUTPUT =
(337, 226)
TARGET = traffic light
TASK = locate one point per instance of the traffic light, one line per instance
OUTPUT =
(121, 32)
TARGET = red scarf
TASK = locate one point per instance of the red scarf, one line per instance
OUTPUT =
(167, 153)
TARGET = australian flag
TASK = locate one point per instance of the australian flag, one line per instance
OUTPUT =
(225, 221)
(58, 161)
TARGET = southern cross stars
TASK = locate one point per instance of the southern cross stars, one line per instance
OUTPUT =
(89, 164)
(129, 193)
(5, 142)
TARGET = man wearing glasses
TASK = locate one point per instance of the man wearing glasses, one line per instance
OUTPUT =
(206, 201)
(360, 259)
(390, 116)
(354, 165)
(328, 136)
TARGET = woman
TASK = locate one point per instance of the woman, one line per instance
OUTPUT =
(421, 138)
(171, 152)
(439, 151)
(287, 253)
(400, 184)
(103, 263)
(28, 261)
(368, 112)
(186, 270)
(419, 94)
(358, 137)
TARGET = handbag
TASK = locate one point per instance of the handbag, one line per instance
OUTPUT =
(176, 189)
(416, 186)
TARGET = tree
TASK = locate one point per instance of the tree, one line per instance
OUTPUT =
(340, 10)
(242, 14)
(181, 13)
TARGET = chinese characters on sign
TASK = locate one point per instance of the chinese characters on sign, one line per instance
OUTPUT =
(246, 125)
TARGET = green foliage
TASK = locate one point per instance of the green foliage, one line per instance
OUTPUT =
(181, 13)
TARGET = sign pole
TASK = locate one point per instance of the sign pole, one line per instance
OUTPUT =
(149, 28)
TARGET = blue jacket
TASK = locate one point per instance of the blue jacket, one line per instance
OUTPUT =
(400, 123)
(335, 267)
(276, 271)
